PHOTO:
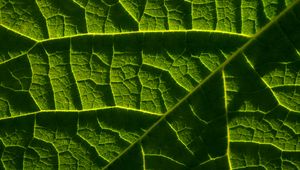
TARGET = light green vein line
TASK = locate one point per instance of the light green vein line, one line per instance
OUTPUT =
(211, 159)
(284, 85)
(171, 159)
(16, 32)
(133, 17)
(149, 32)
(80, 111)
(72, 76)
(221, 33)
(226, 115)
(265, 144)
(18, 56)
(143, 157)
(130, 32)
(179, 139)
(271, 89)
(44, 17)
(221, 67)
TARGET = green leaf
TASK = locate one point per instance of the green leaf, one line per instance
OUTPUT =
(150, 84)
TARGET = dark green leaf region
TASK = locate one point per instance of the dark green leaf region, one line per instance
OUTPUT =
(150, 84)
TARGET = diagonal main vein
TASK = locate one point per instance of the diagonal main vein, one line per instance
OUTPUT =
(199, 86)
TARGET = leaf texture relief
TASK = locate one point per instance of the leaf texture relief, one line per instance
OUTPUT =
(149, 84)
(43, 19)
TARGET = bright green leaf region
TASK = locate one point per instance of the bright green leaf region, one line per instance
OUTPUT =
(150, 84)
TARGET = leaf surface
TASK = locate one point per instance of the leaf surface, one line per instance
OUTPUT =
(149, 84)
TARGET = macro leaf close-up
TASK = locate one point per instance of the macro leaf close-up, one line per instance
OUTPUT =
(150, 84)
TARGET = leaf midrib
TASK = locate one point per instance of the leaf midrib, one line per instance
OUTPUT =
(126, 33)
(81, 111)
(198, 87)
